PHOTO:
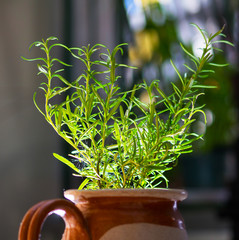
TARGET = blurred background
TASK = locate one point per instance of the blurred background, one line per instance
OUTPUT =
(153, 28)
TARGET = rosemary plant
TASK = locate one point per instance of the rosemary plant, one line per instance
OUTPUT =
(113, 146)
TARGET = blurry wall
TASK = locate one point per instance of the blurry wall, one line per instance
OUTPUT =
(27, 172)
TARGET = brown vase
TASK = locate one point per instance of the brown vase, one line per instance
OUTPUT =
(127, 214)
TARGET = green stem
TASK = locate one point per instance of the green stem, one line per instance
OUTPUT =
(189, 84)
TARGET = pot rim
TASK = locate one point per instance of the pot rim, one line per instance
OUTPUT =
(75, 195)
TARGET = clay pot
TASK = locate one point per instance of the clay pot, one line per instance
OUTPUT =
(112, 214)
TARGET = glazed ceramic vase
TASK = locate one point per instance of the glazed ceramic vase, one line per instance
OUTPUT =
(112, 215)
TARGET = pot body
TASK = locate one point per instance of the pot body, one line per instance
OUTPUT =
(119, 215)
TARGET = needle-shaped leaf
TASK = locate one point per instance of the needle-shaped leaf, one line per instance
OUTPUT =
(177, 71)
(66, 161)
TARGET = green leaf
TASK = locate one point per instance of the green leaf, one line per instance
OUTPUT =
(41, 69)
(192, 57)
(52, 38)
(216, 34)
(218, 64)
(98, 97)
(36, 44)
(169, 104)
(84, 183)
(201, 31)
(66, 161)
(59, 45)
(155, 168)
(113, 111)
(223, 41)
(61, 62)
(189, 68)
(203, 86)
(177, 71)
(38, 108)
(61, 78)
(58, 92)
(207, 71)
(176, 90)
(59, 120)
(34, 59)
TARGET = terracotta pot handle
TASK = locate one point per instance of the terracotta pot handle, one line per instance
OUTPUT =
(75, 227)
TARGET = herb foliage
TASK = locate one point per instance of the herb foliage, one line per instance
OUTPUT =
(113, 146)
